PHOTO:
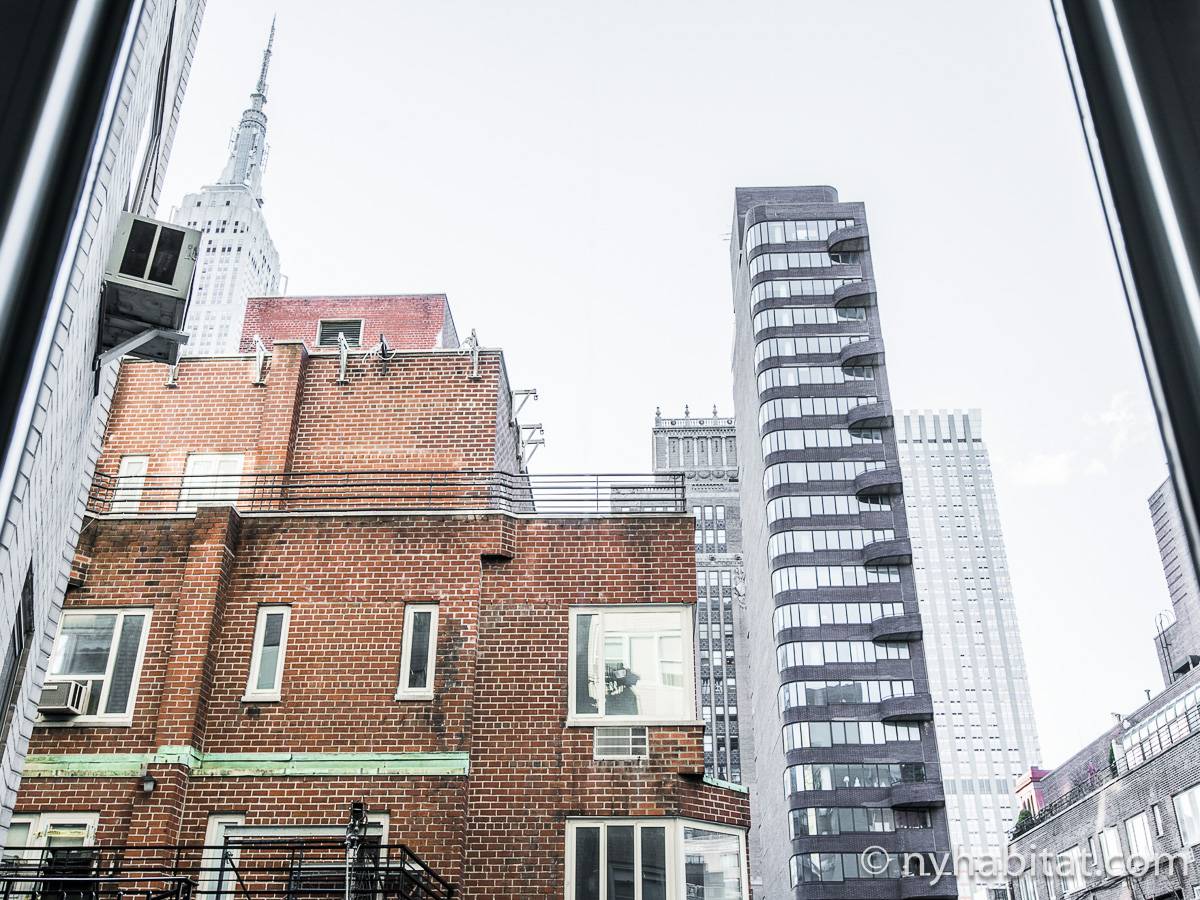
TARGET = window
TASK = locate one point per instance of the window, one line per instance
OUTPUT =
(653, 859)
(16, 657)
(418, 653)
(1158, 822)
(1187, 814)
(628, 664)
(210, 478)
(131, 477)
(329, 329)
(103, 649)
(1070, 869)
(50, 837)
(1137, 829)
(266, 661)
(1110, 851)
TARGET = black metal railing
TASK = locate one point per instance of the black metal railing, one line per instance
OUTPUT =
(240, 869)
(1088, 783)
(391, 490)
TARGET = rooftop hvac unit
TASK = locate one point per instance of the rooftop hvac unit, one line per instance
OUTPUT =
(62, 699)
(146, 289)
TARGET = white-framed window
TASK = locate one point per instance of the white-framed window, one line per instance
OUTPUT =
(131, 478)
(266, 657)
(31, 835)
(1187, 814)
(1110, 850)
(1137, 829)
(1070, 869)
(210, 478)
(418, 652)
(1158, 822)
(631, 665)
(104, 649)
(653, 859)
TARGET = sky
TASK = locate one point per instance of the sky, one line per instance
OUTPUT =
(565, 172)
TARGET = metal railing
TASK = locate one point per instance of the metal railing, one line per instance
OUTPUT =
(240, 869)
(391, 490)
(1089, 783)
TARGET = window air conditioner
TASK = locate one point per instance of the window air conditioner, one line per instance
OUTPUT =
(62, 699)
(146, 288)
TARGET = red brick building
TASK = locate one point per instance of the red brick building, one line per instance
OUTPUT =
(312, 580)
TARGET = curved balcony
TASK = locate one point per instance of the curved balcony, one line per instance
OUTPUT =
(897, 628)
(870, 415)
(861, 293)
(879, 481)
(861, 353)
(917, 795)
(896, 552)
(918, 886)
(852, 237)
(918, 708)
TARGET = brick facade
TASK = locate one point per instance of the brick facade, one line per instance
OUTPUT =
(408, 322)
(502, 769)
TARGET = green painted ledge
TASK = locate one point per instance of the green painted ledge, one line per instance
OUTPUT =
(227, 765)
(728, 785)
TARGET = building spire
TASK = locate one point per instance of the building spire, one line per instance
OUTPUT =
(248, 152)
(262, 76)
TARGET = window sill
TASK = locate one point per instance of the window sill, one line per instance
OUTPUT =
(424, 696)
(85, 722)
(262, 698)
(626, 721)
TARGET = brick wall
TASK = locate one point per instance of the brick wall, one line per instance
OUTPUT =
(408, 321)
(504, 588)
(416, 412)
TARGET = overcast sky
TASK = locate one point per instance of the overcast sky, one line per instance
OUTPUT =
(564, 171)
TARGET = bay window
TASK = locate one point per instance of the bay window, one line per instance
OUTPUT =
(654, 859)
(103, 649)
(631, 664)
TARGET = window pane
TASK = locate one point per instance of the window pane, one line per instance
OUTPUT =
(586, 652)
(587, 864)
(269, 655)
(636, 681)
(83, 645)
(123, 666)
(418, 659)
(712, 864)
(654, 863)
(621, 875)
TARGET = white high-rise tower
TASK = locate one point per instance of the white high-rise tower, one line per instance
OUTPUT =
(238, 259)
(983, 712)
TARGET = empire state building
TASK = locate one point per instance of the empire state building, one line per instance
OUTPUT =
(237, 258)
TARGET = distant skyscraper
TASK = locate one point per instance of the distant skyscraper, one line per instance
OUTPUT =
(845, 751)
(238, 259)
(1178, 642)
(982, 707)
(705, 451)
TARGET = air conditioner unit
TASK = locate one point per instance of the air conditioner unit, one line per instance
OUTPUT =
(610, 742)
(63, 699)
(146, 288)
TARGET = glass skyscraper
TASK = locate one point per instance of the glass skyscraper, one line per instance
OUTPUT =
(983, 711)
(846, 756)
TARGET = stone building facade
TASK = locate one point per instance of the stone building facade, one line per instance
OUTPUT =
(1120, 820)
(1177, 642)
(704, 451)
(46, 470)
(316, 586)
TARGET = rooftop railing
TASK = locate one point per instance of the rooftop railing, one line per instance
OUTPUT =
(313, 491)
(240, 869)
